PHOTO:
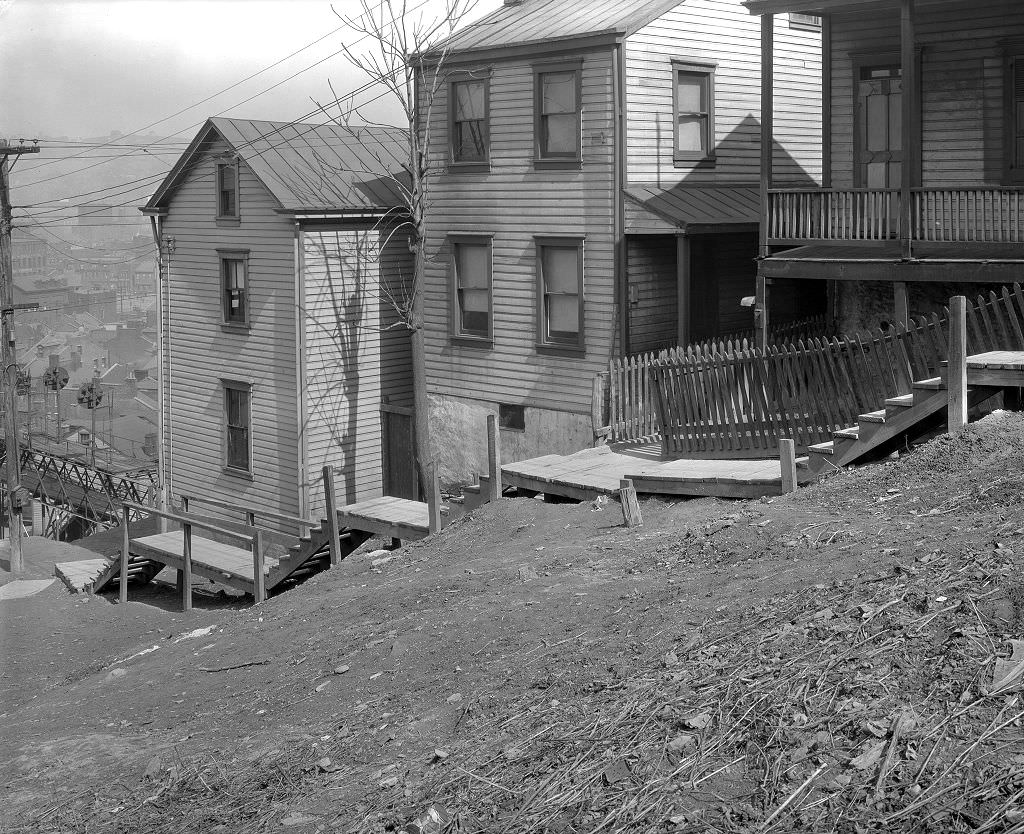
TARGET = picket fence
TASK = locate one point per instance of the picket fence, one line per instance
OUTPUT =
(730, 399)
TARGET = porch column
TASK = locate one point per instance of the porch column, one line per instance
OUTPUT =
(683, 290)
(767, 142)
(908, 64)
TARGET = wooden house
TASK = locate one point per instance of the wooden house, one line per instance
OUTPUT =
(923, 142)
(280, 268)
(594, 192)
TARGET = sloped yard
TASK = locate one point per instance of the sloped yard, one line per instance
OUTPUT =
(817, 662)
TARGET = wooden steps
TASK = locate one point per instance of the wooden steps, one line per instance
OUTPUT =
(875, 428)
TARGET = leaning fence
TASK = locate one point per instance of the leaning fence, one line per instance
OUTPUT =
(729, 398)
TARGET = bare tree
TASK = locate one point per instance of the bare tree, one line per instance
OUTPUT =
(405, 55)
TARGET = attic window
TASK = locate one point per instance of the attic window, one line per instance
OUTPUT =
(227, 191)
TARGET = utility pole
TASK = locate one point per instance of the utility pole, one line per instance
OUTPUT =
(8, 356)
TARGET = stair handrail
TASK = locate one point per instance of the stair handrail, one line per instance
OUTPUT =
(304, 524)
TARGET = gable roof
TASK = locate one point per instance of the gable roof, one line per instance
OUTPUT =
(543, 21)
(306, 167)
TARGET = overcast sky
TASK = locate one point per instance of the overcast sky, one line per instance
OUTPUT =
(84, 68)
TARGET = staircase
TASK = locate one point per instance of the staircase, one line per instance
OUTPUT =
(900, 415)
(312, 553)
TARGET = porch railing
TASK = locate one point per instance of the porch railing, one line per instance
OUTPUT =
(942, 215)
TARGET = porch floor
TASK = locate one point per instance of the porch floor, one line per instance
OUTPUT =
(592, 472)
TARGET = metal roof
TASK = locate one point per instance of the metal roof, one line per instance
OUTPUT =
(309, 168)
(689, 205)
(541, 21)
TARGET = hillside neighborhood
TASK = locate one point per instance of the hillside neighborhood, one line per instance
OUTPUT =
(625, 437)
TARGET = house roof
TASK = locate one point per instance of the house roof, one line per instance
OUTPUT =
(307, 167)
(687, 205)
(543, 21)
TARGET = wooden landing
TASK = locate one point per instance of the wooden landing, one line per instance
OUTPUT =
(398, 518)
(1001, 368)
(592, 472)
(222, 563)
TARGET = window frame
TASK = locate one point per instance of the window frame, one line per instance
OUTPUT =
(1013, 62)
(245, 387)
(223, 256)
(802, 20)
(458, 335)
(226, 219)
(706, 69)
(544, 344)
(469, 164)
(555, 161)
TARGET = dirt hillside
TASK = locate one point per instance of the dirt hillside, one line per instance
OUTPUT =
(822, 661)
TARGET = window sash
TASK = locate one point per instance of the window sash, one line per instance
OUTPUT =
(227, 190)
(692, 111)
(471, 262)
(469, 121)
(558, 114)
(560, 265)
(237, 428)
(233, 284)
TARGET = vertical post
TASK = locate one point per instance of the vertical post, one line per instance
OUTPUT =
(767, 146)
(92, 413)
(184, 504)
(259, 582)
(597, 421)
(908, 64)
(186, 566)
(493, 458)
(631, 514)
(957, 380)
(331, 500)
(125, 543)
(433, 499)
(684, 295)
(901, 303)
(787, 459)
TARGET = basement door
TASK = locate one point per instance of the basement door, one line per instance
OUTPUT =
(399, 453)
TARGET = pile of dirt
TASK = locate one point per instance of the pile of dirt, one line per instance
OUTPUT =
(837, 659)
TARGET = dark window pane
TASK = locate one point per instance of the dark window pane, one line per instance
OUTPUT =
(561, 269)
(473, 282)
(469, 128)
(558, 92)
(563, 317)
(233, 280)
(236, 407)
(560, 135)
(226, 175)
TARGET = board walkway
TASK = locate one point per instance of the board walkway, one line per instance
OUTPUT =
(585, 475)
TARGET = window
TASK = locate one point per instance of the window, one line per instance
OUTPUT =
(558, 114)
(237, 453)
(1014, 117)
(511, 417)
(800, 20)
(469, 121)
(471, 286)
(227, 191)
(560, 293)
(693, 102)
(233, 282)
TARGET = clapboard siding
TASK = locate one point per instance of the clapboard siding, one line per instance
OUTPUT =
(201, 352)
(513, 202)
(651, 268)
(724, 33)
(353, 360)
(961, 87)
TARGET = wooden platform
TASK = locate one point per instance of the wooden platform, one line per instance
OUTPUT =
(1002, 368)
(80, 575)
(398, 518)
(222, 563)
(592, 472)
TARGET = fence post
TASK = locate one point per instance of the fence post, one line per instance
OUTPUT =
(433, 499)
(330, 499)
(956, 382)
(787, 459)
(123, 589)
(493, 458)
(630, 506)
(597, 407)
(259, 587)
(186, 566)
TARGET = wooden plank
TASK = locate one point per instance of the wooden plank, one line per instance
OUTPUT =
(493, 458)
(186, 568)
(630, 506)
(125, 555)
(787, 459)
(957, 373)
(331, 503)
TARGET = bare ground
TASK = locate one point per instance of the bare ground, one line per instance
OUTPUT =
(817, 662)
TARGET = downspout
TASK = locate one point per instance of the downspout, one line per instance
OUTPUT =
(619, 178)
(300, 372)
(163, 454)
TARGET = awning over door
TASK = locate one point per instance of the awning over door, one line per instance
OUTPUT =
(651, 209)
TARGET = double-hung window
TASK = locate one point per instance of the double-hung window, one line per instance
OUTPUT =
(234, 280)
(468, 121)
(1014, 115)
(472, 308)
(560, 293)
(694, 106)
(237, 426)
(227, 191)
(558, 113)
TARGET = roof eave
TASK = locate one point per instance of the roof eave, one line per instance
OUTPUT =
(815, 6)
(538, 47)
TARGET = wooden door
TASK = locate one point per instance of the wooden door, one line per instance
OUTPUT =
(879, 162)
(399, 454)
